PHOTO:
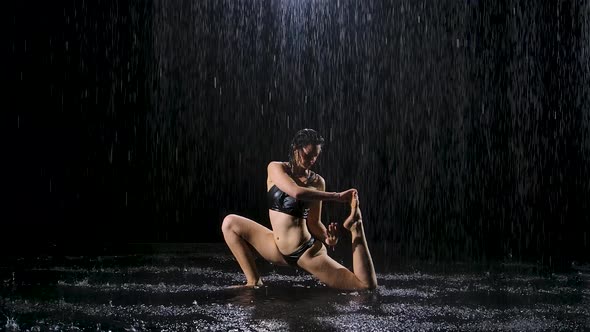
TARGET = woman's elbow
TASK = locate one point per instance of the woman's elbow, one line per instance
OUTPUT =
(298, 194)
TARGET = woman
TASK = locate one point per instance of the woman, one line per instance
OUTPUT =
(295, 196)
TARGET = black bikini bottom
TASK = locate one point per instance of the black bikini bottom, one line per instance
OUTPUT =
(294, 256)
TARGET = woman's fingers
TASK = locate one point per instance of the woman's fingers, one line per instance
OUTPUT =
(332, 238)
(332, 235)
(332, 229)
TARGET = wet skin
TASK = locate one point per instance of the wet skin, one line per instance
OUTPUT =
(289, 233)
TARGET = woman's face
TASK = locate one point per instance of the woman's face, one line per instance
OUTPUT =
(307, 155)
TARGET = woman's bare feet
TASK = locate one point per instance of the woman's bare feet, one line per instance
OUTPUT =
(258, 284)
(355, 218)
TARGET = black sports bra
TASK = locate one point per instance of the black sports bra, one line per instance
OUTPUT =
(278, 200)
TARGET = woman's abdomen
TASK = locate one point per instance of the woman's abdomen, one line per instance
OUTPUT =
(288, 232)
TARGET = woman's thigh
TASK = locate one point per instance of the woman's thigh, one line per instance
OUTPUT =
(258, 236)
(317, 262)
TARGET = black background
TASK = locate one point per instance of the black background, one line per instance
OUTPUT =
(464, 125)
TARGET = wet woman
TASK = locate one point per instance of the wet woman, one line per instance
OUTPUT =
(297, 238)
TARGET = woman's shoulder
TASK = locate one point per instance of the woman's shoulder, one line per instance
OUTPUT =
(277, 165)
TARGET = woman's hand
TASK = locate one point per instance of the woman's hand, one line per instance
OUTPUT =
(332, 235)
(346, 196)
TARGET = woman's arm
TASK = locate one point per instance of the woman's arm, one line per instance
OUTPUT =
(314, 224)
(283, 181)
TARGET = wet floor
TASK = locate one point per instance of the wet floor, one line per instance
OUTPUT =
(188, 291)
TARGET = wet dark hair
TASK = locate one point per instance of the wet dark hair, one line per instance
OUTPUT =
(301, 139)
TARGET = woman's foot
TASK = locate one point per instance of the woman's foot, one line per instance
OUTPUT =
(255, 285)
(355, 218)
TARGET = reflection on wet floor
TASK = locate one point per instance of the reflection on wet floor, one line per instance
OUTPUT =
(190, 291)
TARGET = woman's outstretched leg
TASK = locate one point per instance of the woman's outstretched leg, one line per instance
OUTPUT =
(362, 263)
(241, 235)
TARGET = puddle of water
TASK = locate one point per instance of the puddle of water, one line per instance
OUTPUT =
(190, 291)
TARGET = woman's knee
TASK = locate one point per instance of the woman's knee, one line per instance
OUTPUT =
(229, 224)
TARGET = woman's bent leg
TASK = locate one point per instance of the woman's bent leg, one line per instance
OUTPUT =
(240, 233)
(362, 263)
(317, 262)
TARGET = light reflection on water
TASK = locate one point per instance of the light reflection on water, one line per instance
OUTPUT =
(191, 292)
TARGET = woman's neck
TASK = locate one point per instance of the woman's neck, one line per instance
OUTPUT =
(298, 171)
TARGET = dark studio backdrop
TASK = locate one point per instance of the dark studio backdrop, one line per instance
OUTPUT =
(464, 124)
